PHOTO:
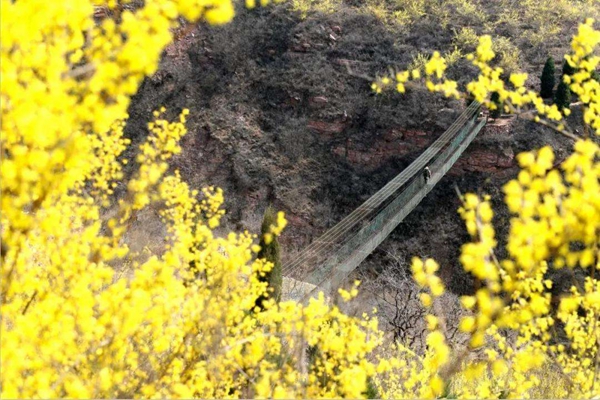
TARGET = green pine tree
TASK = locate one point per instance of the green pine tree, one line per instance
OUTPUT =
(547, 79)
(495, 98)
(562, 99)
(270, 252)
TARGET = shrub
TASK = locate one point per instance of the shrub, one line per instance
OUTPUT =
(509, 55)
(270, 252)
(80, 317)
(496, 111)
(418, 61)
(562, 99)
(305, 7)
(547, 79)
(466, 39)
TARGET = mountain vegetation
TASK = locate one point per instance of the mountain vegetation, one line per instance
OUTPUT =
(547, 80)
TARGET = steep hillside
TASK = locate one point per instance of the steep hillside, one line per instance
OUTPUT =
(282, 113)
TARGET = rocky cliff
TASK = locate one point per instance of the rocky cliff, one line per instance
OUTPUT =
(282, 113)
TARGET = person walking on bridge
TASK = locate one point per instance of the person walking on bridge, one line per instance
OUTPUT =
(427, 174)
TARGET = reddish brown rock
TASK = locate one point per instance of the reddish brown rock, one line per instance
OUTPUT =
(327, 127)
(373, 157)
(393, 135)
(341, 61)
(295, 220)
(293, 101)
(302, 48)
(339, 151)
(413, 132)
(506, 160)
(398, 149)
(482, 159)
(418, 141)
(318, 101)
(416, 137)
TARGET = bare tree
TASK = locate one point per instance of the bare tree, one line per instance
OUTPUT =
(400, 311)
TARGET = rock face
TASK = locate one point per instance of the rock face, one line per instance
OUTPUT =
(327, 128)
(317, 101)
(445, 117)
(479, 159)
(395, 143)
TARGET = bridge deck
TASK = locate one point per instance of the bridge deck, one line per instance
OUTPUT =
(331, 274)
(330, 258)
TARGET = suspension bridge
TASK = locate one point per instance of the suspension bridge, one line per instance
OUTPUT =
(328, 260)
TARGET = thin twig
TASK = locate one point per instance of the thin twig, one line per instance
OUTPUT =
(29, 302)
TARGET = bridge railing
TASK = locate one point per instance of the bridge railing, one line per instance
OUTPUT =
(321, 249)
(331, 274)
